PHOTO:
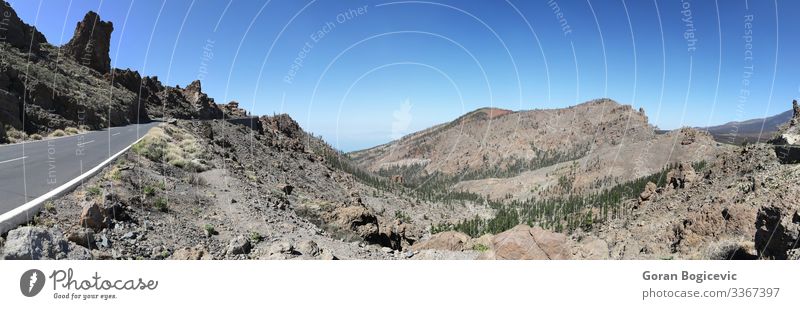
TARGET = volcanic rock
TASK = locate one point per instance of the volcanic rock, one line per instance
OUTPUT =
(449, 240)
(37, 243)
(525, 243)
(91, 43)
(17, 33)
(777, 230)
(787, 144)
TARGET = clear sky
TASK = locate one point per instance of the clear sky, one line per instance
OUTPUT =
(360, 77)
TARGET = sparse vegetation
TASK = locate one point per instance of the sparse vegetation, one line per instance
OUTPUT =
(49, 206)
(149, 190)
(559, 214)
(402, 216)
(57, 133)
(172, 145)
(93, 191)
(209, 230)
(480, 247)
(255, 237)
(71, 131)
(161, 204)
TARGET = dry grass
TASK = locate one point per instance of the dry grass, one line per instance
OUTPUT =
(173, 145)
(57, 133)
(14, 135)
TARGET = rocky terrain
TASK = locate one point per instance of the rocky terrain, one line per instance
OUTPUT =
(214, 190)
(51, 90)
(742, 205)
(592, 181)
(520, 155)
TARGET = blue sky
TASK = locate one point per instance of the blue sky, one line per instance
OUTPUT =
(396, 67)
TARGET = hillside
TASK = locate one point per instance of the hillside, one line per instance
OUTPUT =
(537, 153)
(742, 204)
(56, 90)
(751, 131)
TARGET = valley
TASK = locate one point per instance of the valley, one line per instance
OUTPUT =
(211, 181)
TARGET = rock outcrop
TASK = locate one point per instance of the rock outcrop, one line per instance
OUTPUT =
(204, 107)
(787, 144)
(97, 216)
(778, 231)
(37, 243)
(449, 240)
(357, 219)
(17, 33)
(232, 110)
(682, 177)
(91, 43)
(525, 243)
(649, 192)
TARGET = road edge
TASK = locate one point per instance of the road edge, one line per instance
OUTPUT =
(27, 211)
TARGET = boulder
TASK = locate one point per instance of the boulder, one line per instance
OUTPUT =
(682, 177)
(38, 243)
(649, 191)
(239, 245)
(194, 253)
(449, 240)
(327, 256)
(19, 34)
(308, 248)
(787, 144)
(395, 234)
(83, 237)
(525, 243)
(777, 230)
(286, 189)
(91, 43)
(592, 248)
(98, 216)
(281, 247)
(357, 219)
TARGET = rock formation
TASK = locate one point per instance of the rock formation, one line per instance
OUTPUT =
(37, 243)
(778, 231)
(449, 240)
(681, 177)
(787, 144)
(91, 43)
(17, 33)
(525, 243)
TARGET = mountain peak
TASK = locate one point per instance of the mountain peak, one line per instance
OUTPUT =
(91, 43)
(17, 33)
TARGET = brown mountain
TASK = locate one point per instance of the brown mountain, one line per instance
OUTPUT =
(538, 152)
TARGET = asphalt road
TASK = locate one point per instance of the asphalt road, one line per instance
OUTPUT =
(32, 169)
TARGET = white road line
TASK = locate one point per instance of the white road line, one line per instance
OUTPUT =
(12, 160)
(115, 134)
(84, 143)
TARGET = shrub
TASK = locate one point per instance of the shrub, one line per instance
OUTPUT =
(149, 190)
(162, 205)
(36, 137)
(209, 229)
(49, 206)
(72, 131)
(480, 247)
(93, 191)
(255, 237)
(58, 133)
